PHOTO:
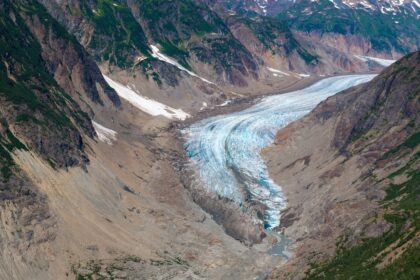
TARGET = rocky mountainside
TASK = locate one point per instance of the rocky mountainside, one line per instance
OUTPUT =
(48, 87)
(72, 200)
(378, 28)
(357, 193)
(273, 7)
(44, 72)
(200, 53)
(92, 171)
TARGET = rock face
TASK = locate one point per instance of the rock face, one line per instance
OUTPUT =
(34, 106)
(43, 70)
(376, 28)
(204, 37)
(65, 196)
(122, 35)
(361, 137)
(70, 198)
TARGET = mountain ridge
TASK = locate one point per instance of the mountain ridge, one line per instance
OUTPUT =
(363, 155)
(95, 184)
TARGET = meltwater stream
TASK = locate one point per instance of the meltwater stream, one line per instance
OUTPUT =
(225, 150)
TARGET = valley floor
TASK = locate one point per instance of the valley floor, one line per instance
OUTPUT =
(130, 211)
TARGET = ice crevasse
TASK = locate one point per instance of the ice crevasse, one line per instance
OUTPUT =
(225, 150)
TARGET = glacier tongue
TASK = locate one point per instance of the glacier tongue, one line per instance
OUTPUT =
(225, 150)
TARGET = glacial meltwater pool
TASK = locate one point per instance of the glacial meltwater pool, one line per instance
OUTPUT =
(225, 150)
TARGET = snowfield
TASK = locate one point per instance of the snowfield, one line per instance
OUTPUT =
(157, 54)
(380, 61)
(147, 105)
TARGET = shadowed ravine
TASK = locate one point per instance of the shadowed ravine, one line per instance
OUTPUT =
(225, 150)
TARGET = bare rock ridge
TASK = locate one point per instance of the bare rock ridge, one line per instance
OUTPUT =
(366, 141)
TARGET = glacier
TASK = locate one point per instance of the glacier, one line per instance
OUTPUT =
(225, 150)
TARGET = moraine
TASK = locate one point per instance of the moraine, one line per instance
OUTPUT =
(225, 150)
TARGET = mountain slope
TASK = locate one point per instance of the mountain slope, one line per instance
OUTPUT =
(377, 28)
(74, 192)
(44, 73)
(389, 34)
(121, 33)
(366, 179)
(199, 53)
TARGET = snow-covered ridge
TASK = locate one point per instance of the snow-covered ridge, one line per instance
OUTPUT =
(105, 135)
(158, 55)
(147, 105)
(383, 6)
(380, 61)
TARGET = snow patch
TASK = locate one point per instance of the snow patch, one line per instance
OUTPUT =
(335, 4)
(204, 106)
(147, 105)
(380, 61)
(158, 55)
(277, 71)
(105, 135)
(227, 102)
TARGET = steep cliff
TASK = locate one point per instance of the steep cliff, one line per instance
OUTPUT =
(43, 71)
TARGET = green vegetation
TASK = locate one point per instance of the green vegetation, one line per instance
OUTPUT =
(24, 80)
(6, 162)
(179, 52)
(81, 277)
(402, 211)
(32, 101)
(268, 31)
(184, 29)
(380, 29)
(8, 144)
(118, 37)
(409, 143)
(98, 269)
(185, 14)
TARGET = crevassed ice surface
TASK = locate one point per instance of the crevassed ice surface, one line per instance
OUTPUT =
(225, 150)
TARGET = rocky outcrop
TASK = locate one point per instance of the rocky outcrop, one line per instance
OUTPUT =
(74, 70)
(34, 107)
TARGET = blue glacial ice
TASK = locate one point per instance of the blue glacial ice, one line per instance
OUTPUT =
(225, 150)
